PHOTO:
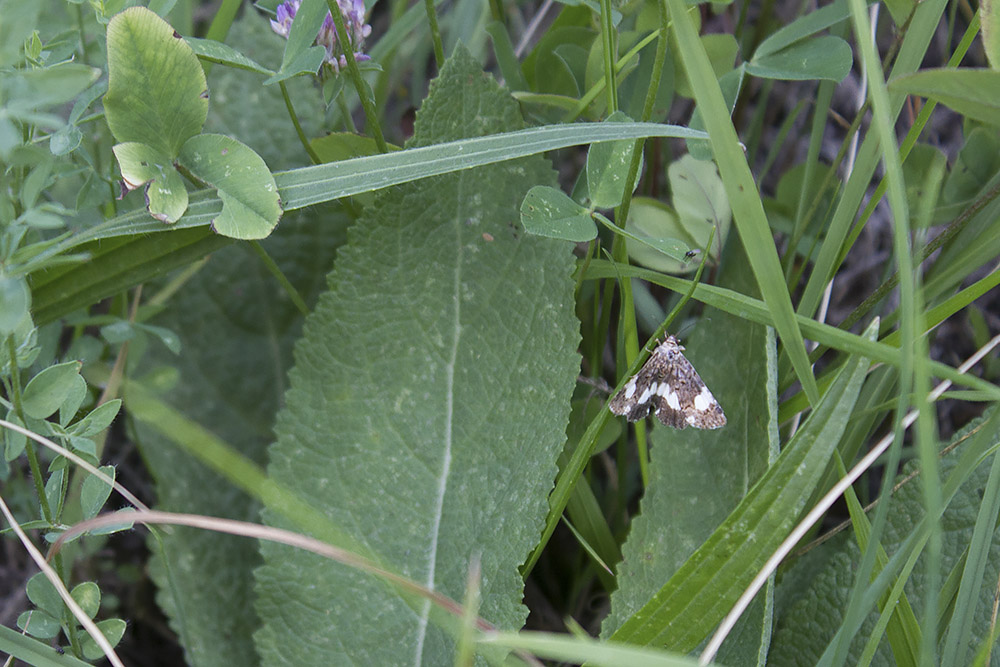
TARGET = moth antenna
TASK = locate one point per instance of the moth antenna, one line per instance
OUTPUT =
(683, 331)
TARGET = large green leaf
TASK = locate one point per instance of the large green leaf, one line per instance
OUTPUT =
(688, 606)
(428, 404)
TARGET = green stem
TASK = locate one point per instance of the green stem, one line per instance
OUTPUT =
(647, 111)
(367, 103)
(432, 20)
(609, 47)
(496, 10)
(84, 53)
(345, 113)
(275, 270)
(596, 89)
(36, 470)
(638, 239)
(642, 443)
(298, 127)
(384, 78)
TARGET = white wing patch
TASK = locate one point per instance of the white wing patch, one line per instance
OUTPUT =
(704, 400)
(630, 388)
(672, 400)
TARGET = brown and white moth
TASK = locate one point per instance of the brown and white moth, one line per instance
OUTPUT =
(670, 386)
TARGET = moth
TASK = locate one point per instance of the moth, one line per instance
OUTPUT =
(669, 386)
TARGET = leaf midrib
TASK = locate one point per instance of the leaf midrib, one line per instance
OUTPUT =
(446, 441)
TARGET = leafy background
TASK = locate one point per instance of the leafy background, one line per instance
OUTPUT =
(424, 409)
(816, 586)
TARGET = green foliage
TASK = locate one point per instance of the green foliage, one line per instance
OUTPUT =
(112, 628)
(408, 400)
(250, 207)
(972, 93)
(607, 162)
(15, 300)
(48, 390)
(394, 368)
(237, 384)
(824, 57)
(156, 106)
(48, 619)
(700, 211)
(819, 583)
(989, 32)
(156, 87)
(95, 493)
(546, 211)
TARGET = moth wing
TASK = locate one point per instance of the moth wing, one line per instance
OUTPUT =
(711, 418)
(636, 398)
(667, 415)
(686, 399)
(635, 412)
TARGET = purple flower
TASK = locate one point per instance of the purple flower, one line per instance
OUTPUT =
(286, 12)
(353, 12)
